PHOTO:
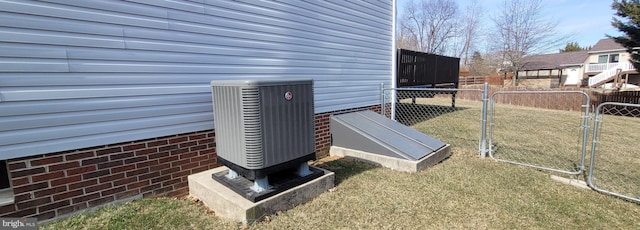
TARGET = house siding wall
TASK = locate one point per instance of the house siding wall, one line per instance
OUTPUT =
(104, 101)
(76, 74)
(593, 57)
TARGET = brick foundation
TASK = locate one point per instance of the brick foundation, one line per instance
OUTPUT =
(55, 184)
(50, 185)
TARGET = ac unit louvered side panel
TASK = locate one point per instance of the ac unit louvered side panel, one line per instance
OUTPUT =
(288, 124)
(229, 125)
(252, 128)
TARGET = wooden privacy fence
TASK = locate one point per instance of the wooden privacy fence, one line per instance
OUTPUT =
(550, 101)
(632, 97)
(556, 101)
(427, 70)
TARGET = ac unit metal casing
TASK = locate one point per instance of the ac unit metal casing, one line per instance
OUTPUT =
(263, 126)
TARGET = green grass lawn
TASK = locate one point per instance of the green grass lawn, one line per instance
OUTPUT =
(463, 191)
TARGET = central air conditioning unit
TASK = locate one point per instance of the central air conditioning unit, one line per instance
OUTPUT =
(263, 127)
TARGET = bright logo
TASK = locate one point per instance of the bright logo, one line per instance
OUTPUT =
(288, 96)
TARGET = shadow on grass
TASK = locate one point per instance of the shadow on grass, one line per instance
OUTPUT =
(410, 114)
(345, 167)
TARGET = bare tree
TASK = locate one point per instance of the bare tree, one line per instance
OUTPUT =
(431, 23)
(469, 30)
(404, 39)
(521, 29)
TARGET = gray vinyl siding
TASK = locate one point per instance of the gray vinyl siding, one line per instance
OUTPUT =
(82, 73)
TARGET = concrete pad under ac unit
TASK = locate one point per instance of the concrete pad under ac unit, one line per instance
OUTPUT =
(372, 137)
(226, 203)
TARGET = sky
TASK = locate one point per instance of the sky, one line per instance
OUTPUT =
(587, 21)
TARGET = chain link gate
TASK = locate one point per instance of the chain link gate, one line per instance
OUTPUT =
(454, 116)
(559, 140)
(614, 167)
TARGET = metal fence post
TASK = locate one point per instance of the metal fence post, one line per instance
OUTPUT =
(597, 119)
(483, 130)
(585, 131)
(382, 107)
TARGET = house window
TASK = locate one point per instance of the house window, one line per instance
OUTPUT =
(608, 58)
(614, 58)
(602, 59)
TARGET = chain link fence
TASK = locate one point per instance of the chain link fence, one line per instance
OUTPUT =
(614, 166)
(542, 129)
(547, 130)
(445, 114)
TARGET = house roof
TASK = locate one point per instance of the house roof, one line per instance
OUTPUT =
(554, 61)
(607, 44)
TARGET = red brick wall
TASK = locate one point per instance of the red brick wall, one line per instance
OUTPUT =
(46, 186)
(50, 185)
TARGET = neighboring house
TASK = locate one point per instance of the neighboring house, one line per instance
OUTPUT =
(107, 101)
(599, 65)
(558, 69)
(605, 59)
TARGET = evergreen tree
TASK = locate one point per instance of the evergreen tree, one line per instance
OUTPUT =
(476, 67)
(629, 24)
(572, 46)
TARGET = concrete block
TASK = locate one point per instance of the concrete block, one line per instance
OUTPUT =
(393, 163)
(573, 182)
(228, 204)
